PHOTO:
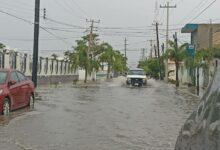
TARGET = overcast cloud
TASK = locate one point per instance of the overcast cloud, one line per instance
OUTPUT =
(121, 14)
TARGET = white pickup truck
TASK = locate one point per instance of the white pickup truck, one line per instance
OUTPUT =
(136, 77)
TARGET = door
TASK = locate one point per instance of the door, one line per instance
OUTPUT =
(24, 87)
(15, 92)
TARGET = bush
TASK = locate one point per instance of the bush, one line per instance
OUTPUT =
(216, 52)
(151, 67)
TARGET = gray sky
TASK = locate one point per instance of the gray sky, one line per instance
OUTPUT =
(119, 19)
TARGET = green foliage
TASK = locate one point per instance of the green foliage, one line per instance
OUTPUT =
(54, 56)
(2, 46)
(216, 52)
(151, 67)
(175, 53)
(202, 59)
(90, 58)
(120, 62)
(115, 60)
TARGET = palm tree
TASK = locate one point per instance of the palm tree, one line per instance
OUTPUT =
(2, 46)
(120, 63)
(54, 56)
(81, 58)
(176, 53)
(202, 59)
(115, 60)
(107, 56)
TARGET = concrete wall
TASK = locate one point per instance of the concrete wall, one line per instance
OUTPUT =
(185, 78)
(49, 70)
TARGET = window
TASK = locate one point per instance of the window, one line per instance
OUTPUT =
(21, 76)
(3, 76)
(136, 72)
(14, 77)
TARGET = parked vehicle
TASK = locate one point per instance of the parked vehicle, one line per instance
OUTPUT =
(136, 77)
(16, 91)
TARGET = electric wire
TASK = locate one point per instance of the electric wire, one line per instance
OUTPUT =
(31, 23)
(203, 11)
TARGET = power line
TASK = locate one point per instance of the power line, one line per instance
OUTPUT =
(16, 10)
(65, 24)
(82, 10)
(67, 8)
(203, 11)
(31, 23)
(17, 5)
(62, 30)
(196, 8)
(42, 39)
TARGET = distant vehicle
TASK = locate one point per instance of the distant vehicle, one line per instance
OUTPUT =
(136, 77)
(16, 91)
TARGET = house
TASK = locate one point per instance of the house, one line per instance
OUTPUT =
(203, 35)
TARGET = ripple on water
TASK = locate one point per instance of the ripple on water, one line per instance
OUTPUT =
(109, 116)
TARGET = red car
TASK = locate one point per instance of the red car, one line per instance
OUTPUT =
(16, 91)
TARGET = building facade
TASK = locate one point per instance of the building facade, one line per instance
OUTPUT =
(203, 35)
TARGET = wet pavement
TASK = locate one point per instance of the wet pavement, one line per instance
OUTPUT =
(107, 116)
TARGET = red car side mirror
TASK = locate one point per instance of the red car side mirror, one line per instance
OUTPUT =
(12, 82)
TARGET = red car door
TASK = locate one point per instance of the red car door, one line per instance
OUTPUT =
(24, 85)
(15, 91)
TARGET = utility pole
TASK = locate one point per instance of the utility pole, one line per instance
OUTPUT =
(176, 61)
(158, 49)
(143, 58)
(151, 48)
(91, 29)
(210, 35)
(126, 47)
(158, 42)
(90, 53)
(36, 41)
(162, 47)
(155, 51)
(167, 6)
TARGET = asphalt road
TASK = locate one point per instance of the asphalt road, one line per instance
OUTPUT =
(106, 116)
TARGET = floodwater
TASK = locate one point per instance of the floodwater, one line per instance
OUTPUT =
(106, 116)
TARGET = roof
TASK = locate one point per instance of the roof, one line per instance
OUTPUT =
(189, 28)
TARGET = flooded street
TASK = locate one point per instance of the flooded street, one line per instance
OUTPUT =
(106, 116)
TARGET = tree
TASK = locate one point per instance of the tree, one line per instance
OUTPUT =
(151, 67)
(107, 56)
(120, 62)
(84, 56)
(2, 46)
(54, 56)
(202, 60)
(88, 56)
(115, 60)
(176, 53)
(216, 52)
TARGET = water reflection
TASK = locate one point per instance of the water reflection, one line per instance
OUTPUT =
(5, 120)
(104, 116)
